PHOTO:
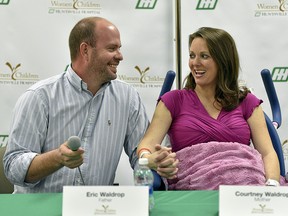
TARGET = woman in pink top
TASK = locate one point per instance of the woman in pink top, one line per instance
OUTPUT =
(211, 110)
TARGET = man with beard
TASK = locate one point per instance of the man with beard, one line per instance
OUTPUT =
(84, 101)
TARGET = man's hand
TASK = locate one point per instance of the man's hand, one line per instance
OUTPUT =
(69, 158)
(47, 163)
(164, 162)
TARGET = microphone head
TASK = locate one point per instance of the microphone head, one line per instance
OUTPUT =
(74, 143)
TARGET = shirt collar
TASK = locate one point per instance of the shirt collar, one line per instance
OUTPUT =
(79, 84)
(75, 80)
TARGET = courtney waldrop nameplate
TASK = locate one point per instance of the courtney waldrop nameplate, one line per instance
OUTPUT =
(105, 200)
(253, 200)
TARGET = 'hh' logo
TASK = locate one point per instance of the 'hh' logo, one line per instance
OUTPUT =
(280, 74)
(206, 4)
(146, 4)
(4, 2)
(3, 140)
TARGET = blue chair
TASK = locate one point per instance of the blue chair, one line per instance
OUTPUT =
(168, 82)
(276, 117)
(158, 183)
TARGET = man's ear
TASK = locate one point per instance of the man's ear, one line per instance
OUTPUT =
(84, 50)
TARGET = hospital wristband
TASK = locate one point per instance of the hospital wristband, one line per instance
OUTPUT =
(272, 182)
(143, 151)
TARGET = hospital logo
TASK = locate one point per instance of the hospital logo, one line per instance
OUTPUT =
(146, 4)
(105, 210)
(142, 73)
(84, 7)
(280, 74)
(277, 9)
(142, 77)
(4, 2)
(13, 74)
(206, 4)
(262, 209)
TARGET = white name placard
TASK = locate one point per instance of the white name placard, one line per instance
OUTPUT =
(253, 200)
(105, 200)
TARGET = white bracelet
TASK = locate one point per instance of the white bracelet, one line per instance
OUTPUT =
(272, 182)
(143, 153)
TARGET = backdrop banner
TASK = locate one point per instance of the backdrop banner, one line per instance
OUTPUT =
(260, 33)
(34, 46)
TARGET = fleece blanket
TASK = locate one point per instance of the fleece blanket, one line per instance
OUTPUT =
(207, 165)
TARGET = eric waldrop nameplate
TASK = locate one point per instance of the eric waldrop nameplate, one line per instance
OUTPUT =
(253, 200)
(105, 200)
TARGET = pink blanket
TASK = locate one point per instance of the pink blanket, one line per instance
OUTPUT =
(207, 165)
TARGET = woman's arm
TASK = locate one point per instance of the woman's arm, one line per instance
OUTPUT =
(262, 142)
(161, 158)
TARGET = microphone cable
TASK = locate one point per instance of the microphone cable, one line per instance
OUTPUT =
(82, 179)
(74, 143)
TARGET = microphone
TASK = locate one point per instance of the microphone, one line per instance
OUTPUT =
(74, 143)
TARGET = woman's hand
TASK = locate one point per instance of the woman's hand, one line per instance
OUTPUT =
(163, 161)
